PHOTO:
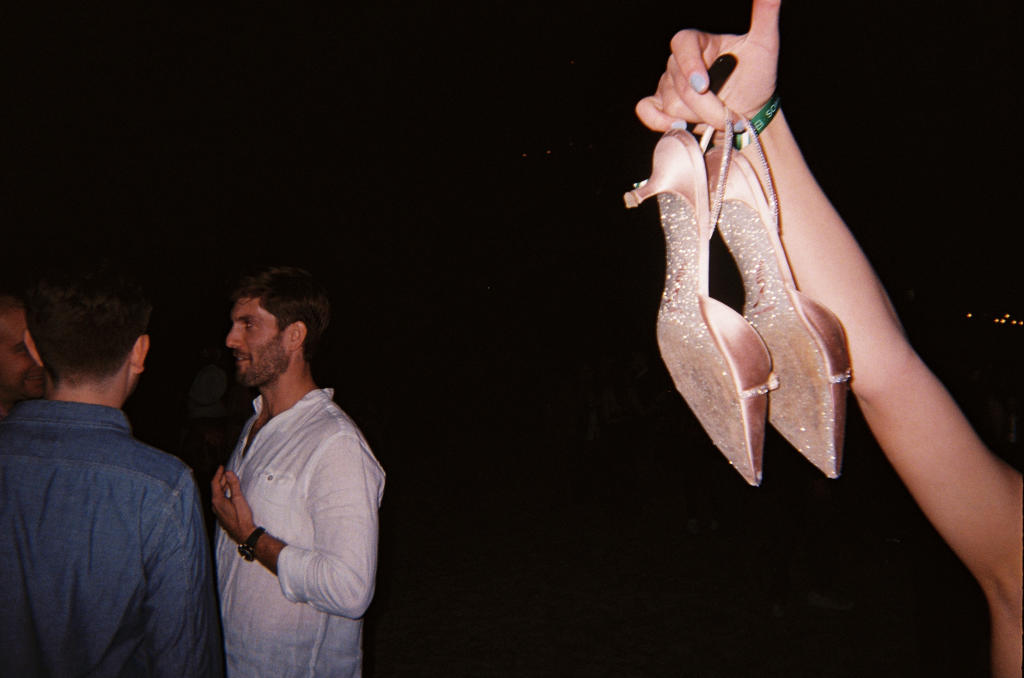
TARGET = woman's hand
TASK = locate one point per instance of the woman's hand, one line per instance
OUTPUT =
(683, 90)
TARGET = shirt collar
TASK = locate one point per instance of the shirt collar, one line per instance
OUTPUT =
(315, 395)
(64, 412)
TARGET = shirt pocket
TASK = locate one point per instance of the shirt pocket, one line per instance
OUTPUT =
(276, 488)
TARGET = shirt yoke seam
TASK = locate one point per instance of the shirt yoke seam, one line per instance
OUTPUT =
(65, 424)
(82, 463)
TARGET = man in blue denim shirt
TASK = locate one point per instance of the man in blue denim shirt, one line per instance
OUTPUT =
(105, 566)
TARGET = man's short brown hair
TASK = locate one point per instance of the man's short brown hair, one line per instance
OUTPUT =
(85, 325)
(290, 295)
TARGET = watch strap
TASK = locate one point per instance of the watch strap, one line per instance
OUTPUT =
(247, 549)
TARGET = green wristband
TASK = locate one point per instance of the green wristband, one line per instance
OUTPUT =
(758, 122)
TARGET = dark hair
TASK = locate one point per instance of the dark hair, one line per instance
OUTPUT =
(290, 295)
(85, 325)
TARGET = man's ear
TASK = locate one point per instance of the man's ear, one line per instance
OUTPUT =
(137, 357)
(295, 335)
(32, 350)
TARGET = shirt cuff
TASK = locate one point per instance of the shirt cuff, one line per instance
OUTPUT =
(292, 563)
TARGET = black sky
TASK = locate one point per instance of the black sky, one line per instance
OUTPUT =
(453, 172)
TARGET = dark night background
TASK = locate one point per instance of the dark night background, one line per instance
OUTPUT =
(453, 174)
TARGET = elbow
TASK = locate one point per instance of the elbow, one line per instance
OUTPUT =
(876, 381)
(1003, 582)
(344, 591)
(354, 602)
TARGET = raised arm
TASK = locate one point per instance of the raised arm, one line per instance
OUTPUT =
(971, 496)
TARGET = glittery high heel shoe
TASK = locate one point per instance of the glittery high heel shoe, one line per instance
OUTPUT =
(806, 341)
(718, 362)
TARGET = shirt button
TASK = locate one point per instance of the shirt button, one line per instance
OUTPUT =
(270, 477)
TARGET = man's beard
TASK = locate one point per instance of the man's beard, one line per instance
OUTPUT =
(266, 364)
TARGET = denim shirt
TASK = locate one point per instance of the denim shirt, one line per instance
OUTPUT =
(103, 555)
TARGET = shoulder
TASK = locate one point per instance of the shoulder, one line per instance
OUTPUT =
(91, 449)
(339, 436)
(136, 463)
(149, 462)
(328, 420)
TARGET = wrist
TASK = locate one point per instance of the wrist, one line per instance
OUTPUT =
(241, 533)
(773, 136)
(758, 122)
(247, 549)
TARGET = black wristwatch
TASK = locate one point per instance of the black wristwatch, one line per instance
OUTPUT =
(247, 549)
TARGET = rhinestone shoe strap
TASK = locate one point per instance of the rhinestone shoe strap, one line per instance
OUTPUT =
(773, 200)
(723, 175)
(771, 385)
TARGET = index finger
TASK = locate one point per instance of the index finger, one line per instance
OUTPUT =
(688, 53)
(764, 23)
(689, 48)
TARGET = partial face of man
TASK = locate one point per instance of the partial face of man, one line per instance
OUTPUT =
(257, 344)
(20, 377)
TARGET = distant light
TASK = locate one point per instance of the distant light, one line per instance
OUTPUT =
(968, 315)
(997, 320)
(1005, 316)
(524, 155)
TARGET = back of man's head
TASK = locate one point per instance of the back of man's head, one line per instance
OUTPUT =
(290, 295)
(84, 326)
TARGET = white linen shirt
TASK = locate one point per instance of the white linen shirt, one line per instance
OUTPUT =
(313, 483)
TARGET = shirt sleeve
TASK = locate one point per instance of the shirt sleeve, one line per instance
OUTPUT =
(337, 575)
(181, 622)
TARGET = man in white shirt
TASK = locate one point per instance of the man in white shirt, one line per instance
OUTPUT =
(300, 496)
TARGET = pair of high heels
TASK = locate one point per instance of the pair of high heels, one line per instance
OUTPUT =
(785, 359)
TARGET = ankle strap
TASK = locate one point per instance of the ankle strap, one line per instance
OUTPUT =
(769, 185)
(723, 170)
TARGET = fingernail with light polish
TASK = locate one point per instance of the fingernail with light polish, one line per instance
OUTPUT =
(698, 82)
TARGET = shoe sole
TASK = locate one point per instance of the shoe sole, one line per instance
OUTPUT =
(806, 341)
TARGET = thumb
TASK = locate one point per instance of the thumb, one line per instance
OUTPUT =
(233, 484)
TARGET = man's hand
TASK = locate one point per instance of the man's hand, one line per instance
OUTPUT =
(230, 506)
(683, 90)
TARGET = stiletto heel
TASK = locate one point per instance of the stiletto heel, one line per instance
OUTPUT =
(718, 362)
(806, 341)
